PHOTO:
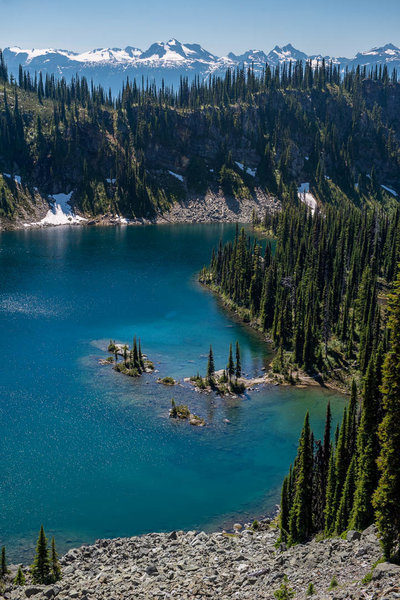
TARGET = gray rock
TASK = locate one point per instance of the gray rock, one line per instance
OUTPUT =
(32, 590)
(51, 591)
(386, 570)
(353, 536)
(151, 570)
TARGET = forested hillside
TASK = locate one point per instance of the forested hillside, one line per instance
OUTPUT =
(328, 298)
(150, 147)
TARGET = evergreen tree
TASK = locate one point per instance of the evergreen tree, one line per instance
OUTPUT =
(3, 565)
(367, 452)
(210, 367)
(230, 368)
(55, 565)
(300, 521)
(346, 501)
(41, 568)
(238, 366)
(20, 577)
(387, 496)
(135, 355)
(284, 510)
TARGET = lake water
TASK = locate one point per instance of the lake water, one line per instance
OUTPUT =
(91, 453)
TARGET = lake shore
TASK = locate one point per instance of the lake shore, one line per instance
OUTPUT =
(211, 208)
(245, 564)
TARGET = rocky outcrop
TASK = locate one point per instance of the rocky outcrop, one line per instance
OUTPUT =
(241, 565)
(214, 208)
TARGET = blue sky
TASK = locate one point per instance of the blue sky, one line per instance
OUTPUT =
(337, 28)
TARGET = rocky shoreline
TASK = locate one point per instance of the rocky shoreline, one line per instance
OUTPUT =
(211, 208)
(247, 564)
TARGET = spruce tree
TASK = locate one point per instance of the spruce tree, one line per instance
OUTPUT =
(300, 521)
(3, 565)
(230, 368)
(346, 501)
(284, 509)
(387, 495)
(367, 453)
(41, 569)
(330, 512)
(135, 355)
(238, 367)
(20, 577)
(55, 565)
(210, 367)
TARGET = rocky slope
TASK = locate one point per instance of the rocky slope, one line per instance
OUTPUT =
(210, 208)
(242, 565)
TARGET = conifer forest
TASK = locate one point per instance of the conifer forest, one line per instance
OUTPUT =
(316, 275)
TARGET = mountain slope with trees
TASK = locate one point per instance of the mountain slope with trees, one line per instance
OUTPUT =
(138, 154)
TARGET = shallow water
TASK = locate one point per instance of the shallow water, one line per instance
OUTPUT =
(90, 453)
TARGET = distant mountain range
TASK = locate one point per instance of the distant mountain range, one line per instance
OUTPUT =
(169, 60)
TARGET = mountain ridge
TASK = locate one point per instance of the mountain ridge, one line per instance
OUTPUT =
(170, 60)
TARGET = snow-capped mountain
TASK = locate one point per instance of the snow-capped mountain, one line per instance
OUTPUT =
(170, 60)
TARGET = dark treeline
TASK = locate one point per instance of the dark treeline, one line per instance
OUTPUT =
(354, 480)
(293, 123)
(323, 298)
(237, 85)
(317, 295)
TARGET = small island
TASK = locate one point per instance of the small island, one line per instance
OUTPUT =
(226, 382)
(167, 381)
(181, 411)
(134, 363)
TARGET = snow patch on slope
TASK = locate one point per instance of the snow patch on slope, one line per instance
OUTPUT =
(17, 178)
(305, 196)
(390, 190)
(60, 213)
(176, 175)
(249, 171)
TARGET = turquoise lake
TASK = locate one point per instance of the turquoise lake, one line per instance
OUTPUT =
(91, 453)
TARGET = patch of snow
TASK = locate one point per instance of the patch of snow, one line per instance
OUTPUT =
(176, 175)
(305, 196)
(249, 171)
(390, 190)
(17, 178)
(121, 220)
(60, 213)
(303, 188)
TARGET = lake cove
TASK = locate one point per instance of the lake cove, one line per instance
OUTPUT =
(90, 453)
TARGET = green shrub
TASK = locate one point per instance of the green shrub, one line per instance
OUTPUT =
(111, 346)
(284, 592)
(334, 583)
(237, 387)
(367, 578)
(20, 577)
(310, 590)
